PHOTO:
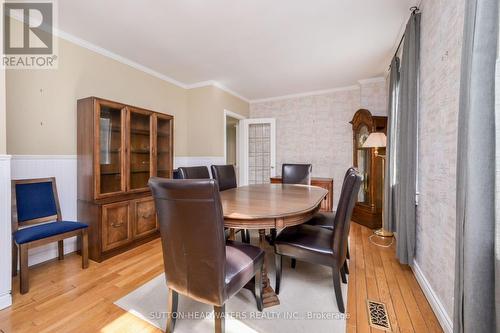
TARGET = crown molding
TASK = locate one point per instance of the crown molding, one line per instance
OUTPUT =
(372, 80)
(102, 51)
(218, 85)
(305, 94)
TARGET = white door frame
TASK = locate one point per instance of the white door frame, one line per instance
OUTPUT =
(244, 124)
(238, 116)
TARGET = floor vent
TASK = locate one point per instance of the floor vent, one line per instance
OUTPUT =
(377, 315)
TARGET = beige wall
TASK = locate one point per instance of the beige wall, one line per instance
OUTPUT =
(206, 107)
(3, 120)
(3, 124)
(41, 104)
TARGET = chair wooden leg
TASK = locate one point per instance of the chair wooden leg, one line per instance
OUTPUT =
(173, 301)
(14, 258)
(23, 274)
(85, 248)
(219, 314)
(346, 267)
(258, 287)
(278, 262)
(337, 289)
(343, 275)
(293, 263)
(247, 236)
(60, 248)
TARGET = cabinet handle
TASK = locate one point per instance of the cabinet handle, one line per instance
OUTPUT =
(116, 225)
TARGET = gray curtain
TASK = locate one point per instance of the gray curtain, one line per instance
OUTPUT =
(406, 152)
(475, 276)
(389, 222)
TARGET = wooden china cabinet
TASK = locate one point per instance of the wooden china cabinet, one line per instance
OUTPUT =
(368, 209)
(119, 148)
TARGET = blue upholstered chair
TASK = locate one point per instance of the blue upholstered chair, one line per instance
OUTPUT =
(36, 221)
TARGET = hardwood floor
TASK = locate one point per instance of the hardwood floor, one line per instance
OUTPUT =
(375, 274)
(65, 298)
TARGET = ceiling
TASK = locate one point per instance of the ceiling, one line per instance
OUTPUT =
(257, 48)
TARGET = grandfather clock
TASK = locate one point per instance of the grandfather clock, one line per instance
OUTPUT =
(368, 209)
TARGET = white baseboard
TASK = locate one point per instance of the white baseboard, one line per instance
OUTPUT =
(441, 314)
(63, 167)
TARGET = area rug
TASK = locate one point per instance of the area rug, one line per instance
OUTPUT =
(307, 304)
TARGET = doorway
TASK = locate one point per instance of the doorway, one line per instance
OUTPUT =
(232, 140)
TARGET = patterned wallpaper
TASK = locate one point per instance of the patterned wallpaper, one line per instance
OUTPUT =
(441, 46)
(315, 129)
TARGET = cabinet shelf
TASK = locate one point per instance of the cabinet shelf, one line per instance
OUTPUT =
(140, 132)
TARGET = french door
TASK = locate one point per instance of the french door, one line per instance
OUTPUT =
(258, 150)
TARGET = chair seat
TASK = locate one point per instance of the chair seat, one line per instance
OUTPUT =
(306, 242)
(323, 219)
(242, 262)
(41, 231)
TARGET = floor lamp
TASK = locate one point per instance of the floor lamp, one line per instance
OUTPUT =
(378, 140)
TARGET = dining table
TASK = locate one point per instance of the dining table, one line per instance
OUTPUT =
(269, 206)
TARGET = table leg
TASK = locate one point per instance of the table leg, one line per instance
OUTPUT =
(269, 297)
(232, 234)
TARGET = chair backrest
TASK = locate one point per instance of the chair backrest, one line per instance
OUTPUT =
(34, 201)
(196, 172)
(225, 176)
(347, 200)
(192, 235)
(296, 174)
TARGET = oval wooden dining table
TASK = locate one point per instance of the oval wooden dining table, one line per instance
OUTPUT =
(267, 206)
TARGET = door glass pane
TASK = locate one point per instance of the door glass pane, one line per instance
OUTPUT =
(363, 157)
(140, 150)
(259, 153)
(163, 167)
(110, 149)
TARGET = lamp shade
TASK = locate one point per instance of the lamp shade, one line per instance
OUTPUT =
(375, 140)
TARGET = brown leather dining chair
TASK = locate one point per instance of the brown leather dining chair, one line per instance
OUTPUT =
(225, 175)
(296, 174)
(299, 174)
(201, 265)
(326, 220)
(320, 245)
(196, 172)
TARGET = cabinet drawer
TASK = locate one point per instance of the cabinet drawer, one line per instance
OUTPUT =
(145, 217)
(116, 226)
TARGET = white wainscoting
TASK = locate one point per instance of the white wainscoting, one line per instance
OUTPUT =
(63, 167)
(5, 234)
(186, 161)
(436, 305)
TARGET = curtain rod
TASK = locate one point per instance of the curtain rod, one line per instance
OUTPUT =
(413, 10)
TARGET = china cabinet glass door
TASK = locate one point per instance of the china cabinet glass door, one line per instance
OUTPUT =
(163, 147)
(110, 149)
(363, 163)
(140, 149)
